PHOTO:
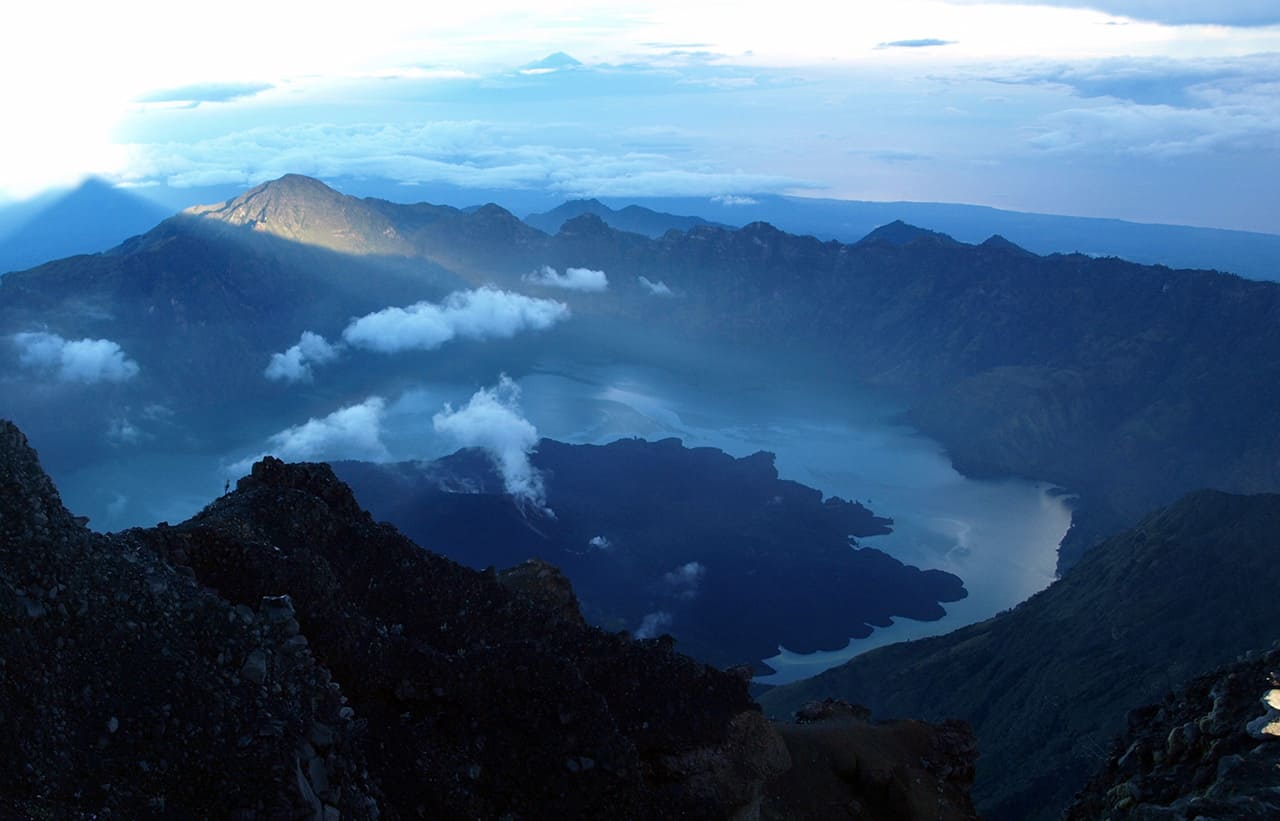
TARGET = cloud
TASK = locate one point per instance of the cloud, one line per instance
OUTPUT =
(573, 279)
(658, 288)
(120, 431)
(470, 154)
(477, 314)
(1191, 83)
(735, 199)
(1157, 131)
(924, 42)
(353, 432)
(492, 420)
(87, 361)
(294, 365)
(1175, 12)
(684, 580)
(205, 93)
(652, 623)
(600, 543)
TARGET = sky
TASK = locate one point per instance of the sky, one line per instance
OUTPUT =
(1149, 110)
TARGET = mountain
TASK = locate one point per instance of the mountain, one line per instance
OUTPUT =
(899, 234)
(633, 218)
(1247, 253)
(1207, 750)
(1047, 685)
(1129, 385)
(557, 61)
(281, 655)
(660, 538)
(93, 217)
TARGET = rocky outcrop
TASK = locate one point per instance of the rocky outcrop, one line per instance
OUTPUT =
(847, 767)
(283, 656)
(128, 690)
(1210, 750)
(476, 698)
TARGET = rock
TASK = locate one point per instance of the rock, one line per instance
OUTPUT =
(1212, 766)
(1267, 727)
(254, 669)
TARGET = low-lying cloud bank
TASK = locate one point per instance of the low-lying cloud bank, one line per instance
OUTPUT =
(492, 420)
(573, 279)
(87, 361)
(478, 314)
(658, 288)
(684, 580)
(294, 365)
(653, 624)
(353, 432)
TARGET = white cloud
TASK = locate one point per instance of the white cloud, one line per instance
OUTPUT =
(477, 314)
(573, 279)
(353, 432)
(1175, 12)
(492, 420)
(652, 623)
(86, 360)
(294, 365)
(658, 288)
(465, 153)
(600, 543)
(734, 199)
(121, 431)
(684, 580)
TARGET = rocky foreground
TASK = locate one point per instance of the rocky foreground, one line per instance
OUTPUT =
(1209, 750)
(281, 655)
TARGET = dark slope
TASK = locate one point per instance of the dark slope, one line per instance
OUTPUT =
(632, 218)
(92, 217)
(1047, 685)
(714, 547)
(281, 656)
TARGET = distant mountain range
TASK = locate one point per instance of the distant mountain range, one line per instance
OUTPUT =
(1246, 253)
(1047, 685)
(118, 214)
(632, 218)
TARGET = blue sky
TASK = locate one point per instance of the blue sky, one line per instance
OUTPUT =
(1152, 111)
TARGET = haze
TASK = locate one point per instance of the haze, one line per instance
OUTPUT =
(1163, 112)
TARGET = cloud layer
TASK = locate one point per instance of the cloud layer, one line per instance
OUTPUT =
(492, 420)
(653, 624)
(353, 432)
(478, 314)
(684, 580)
(294, 365)
(573, 279)
(86, 361)
(658, 288)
